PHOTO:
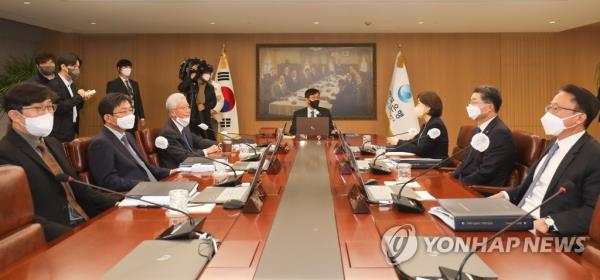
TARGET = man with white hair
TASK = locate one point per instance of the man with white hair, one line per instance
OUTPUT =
(182, 142)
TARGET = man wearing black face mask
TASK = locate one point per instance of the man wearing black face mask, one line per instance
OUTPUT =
(194, 81)
(312, 109)
(46, 69)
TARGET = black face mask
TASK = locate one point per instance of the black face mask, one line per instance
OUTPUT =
(46, 70)
(314, 103)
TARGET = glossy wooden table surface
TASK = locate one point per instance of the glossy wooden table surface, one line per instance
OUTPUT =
(360, 234)
(93, 248)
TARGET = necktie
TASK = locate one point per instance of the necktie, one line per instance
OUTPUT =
(130, 91)
(137, 158)
(537, 176)
(312, 114)
(56, 169)
(187, 143)
(128, 86)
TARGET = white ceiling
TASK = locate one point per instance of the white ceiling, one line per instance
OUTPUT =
(299, 16)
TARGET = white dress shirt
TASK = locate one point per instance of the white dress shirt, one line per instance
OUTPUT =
(485, 124)
(310, 110)
(68, 84)
(536, 196)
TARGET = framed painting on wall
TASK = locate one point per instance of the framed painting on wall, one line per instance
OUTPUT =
(343, 73)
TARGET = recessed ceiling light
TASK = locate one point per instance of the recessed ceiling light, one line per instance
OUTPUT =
(421, 22)
(92, 23)
(315, 22)
(27, 3)
(212, 23)
(552, 21)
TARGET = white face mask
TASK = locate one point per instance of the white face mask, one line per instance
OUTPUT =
(473, 111)
(126, 122)
(40, 126)
(183, 121)
(206, 76)
(126, 72)
(420, 110)
(554, 125)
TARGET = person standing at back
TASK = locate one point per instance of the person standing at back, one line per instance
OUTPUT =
(124, 84)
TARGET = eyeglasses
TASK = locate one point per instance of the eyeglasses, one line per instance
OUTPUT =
(130, 110)
(42, 109)
(553, 108)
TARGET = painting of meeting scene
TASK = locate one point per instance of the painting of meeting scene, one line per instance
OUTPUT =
(344, 74)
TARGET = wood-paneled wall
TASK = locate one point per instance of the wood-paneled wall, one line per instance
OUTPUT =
(528, 68)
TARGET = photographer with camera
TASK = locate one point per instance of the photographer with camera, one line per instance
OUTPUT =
(195, 74)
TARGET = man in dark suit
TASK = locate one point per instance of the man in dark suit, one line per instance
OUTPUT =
(182, 142)
(571, 159)
(493, 166)
(124, 84)
(46, 69)
(70, 99)
(114, 159)
(58, 207)
(312, 110)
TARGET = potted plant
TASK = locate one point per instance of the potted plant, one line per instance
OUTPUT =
(16, 69)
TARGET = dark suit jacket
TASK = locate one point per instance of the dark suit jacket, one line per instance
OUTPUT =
(304, 113)
(64, 129)
(178, 151)
(49, 199)
(571, 211)
(425, 146)
(190, 89)
(117, 85)
(113, 167)
(40, 79)
(494, 166)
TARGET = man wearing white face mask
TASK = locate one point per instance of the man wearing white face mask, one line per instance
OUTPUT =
(182, 142)
(70, 99)
(494, 166)
(200, 94)
(124, 84)
(114, 157)
(58, 206)
(571, 158)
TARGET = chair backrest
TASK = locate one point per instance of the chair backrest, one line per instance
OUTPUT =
(591, 254)
(148, 135)
(77, 154)
(19, 236)
(528, 148)
(465, 133)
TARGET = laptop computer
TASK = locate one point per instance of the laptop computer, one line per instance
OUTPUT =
(222, 194)
(163, 259)
(244, 165)
(425, 265)
(313, 126)
(161, 188)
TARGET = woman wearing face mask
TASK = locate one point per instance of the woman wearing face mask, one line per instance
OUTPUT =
(195, 76)
(429, 109)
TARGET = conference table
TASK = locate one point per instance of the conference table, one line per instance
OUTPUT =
(306, 230)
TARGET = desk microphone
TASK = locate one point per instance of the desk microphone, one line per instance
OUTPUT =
(479, 142)
(384, 169)
(183, 230)
(236, 180)
(254, 157)
(451, 274)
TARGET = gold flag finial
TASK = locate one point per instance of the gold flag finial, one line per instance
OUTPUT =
(401, 62)
(223, 49)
